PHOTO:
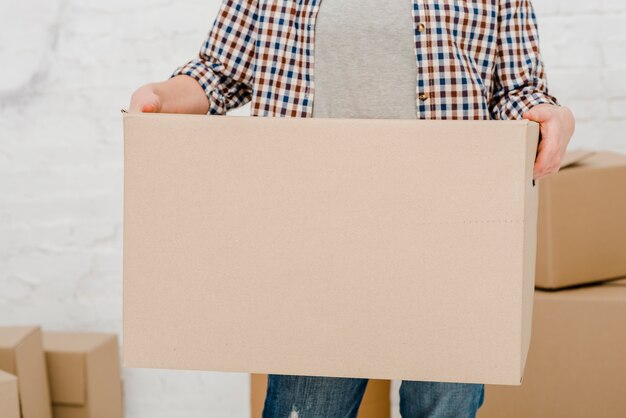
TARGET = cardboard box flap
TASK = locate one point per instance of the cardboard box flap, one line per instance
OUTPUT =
(592, 159)
(24, 354)
(9, 400)
(66, 374)
(74, 342)
(84, 371)
(259, 136)
(10, 337)
(104, 387)
(605, 160)
(6, 377)
(574, 157)
(67, 356)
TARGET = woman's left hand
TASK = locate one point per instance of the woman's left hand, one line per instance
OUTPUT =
(557, 127)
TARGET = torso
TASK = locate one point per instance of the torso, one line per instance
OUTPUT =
(456, 52)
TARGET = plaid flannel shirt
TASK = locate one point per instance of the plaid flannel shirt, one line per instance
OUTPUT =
(475, 59)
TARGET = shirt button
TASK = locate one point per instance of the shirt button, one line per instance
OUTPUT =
(423, 97)
(421, 28)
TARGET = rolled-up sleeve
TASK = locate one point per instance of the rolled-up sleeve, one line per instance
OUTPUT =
(224, 67)
(519, 79)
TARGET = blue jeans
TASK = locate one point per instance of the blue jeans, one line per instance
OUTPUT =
(337, 397)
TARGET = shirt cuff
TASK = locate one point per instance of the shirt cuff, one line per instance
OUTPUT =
(199, 71)
(514, 107)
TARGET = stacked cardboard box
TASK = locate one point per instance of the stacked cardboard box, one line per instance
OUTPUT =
(582, 221)
(577, 362)
(9, 398)
(84, 373)
(21, 354)
(60, 375)
(375, 403)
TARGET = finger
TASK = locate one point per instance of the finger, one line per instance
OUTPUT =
(547, 157)
(540, 113)
(530, 115)
(540, 175)
(548, 164)
(538, 171)
(149, 108)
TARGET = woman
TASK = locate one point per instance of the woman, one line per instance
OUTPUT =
(425, 59)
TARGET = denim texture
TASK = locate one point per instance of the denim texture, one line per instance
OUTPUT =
(337, 397)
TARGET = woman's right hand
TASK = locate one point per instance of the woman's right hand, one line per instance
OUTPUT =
(180, 94)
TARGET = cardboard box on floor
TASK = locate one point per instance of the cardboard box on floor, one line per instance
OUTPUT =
(84, 373)
(21, 354)
(577, 362)
(385, 249)
(582, 221)
(375, 404)
(9, 400)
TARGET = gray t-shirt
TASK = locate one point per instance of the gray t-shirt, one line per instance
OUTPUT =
(364, 60)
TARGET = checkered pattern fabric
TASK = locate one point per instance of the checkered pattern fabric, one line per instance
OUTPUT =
(474, 59)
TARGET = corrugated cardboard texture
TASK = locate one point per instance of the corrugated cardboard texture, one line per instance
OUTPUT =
(376, 401)
(576, 366)
(21, 354)
(361, 248)
(84, 372)
(582, 222)
(9, 400)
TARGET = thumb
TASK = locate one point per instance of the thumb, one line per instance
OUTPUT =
(151, 107)
(539, 113)
(529, 115)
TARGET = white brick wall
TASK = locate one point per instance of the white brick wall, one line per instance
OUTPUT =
(68, 66)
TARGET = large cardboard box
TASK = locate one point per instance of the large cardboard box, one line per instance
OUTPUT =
(386, 249)
(9, 400)
(582, 221)
(21, 354)
(577, 362)
(84, 373)
(376, 401)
